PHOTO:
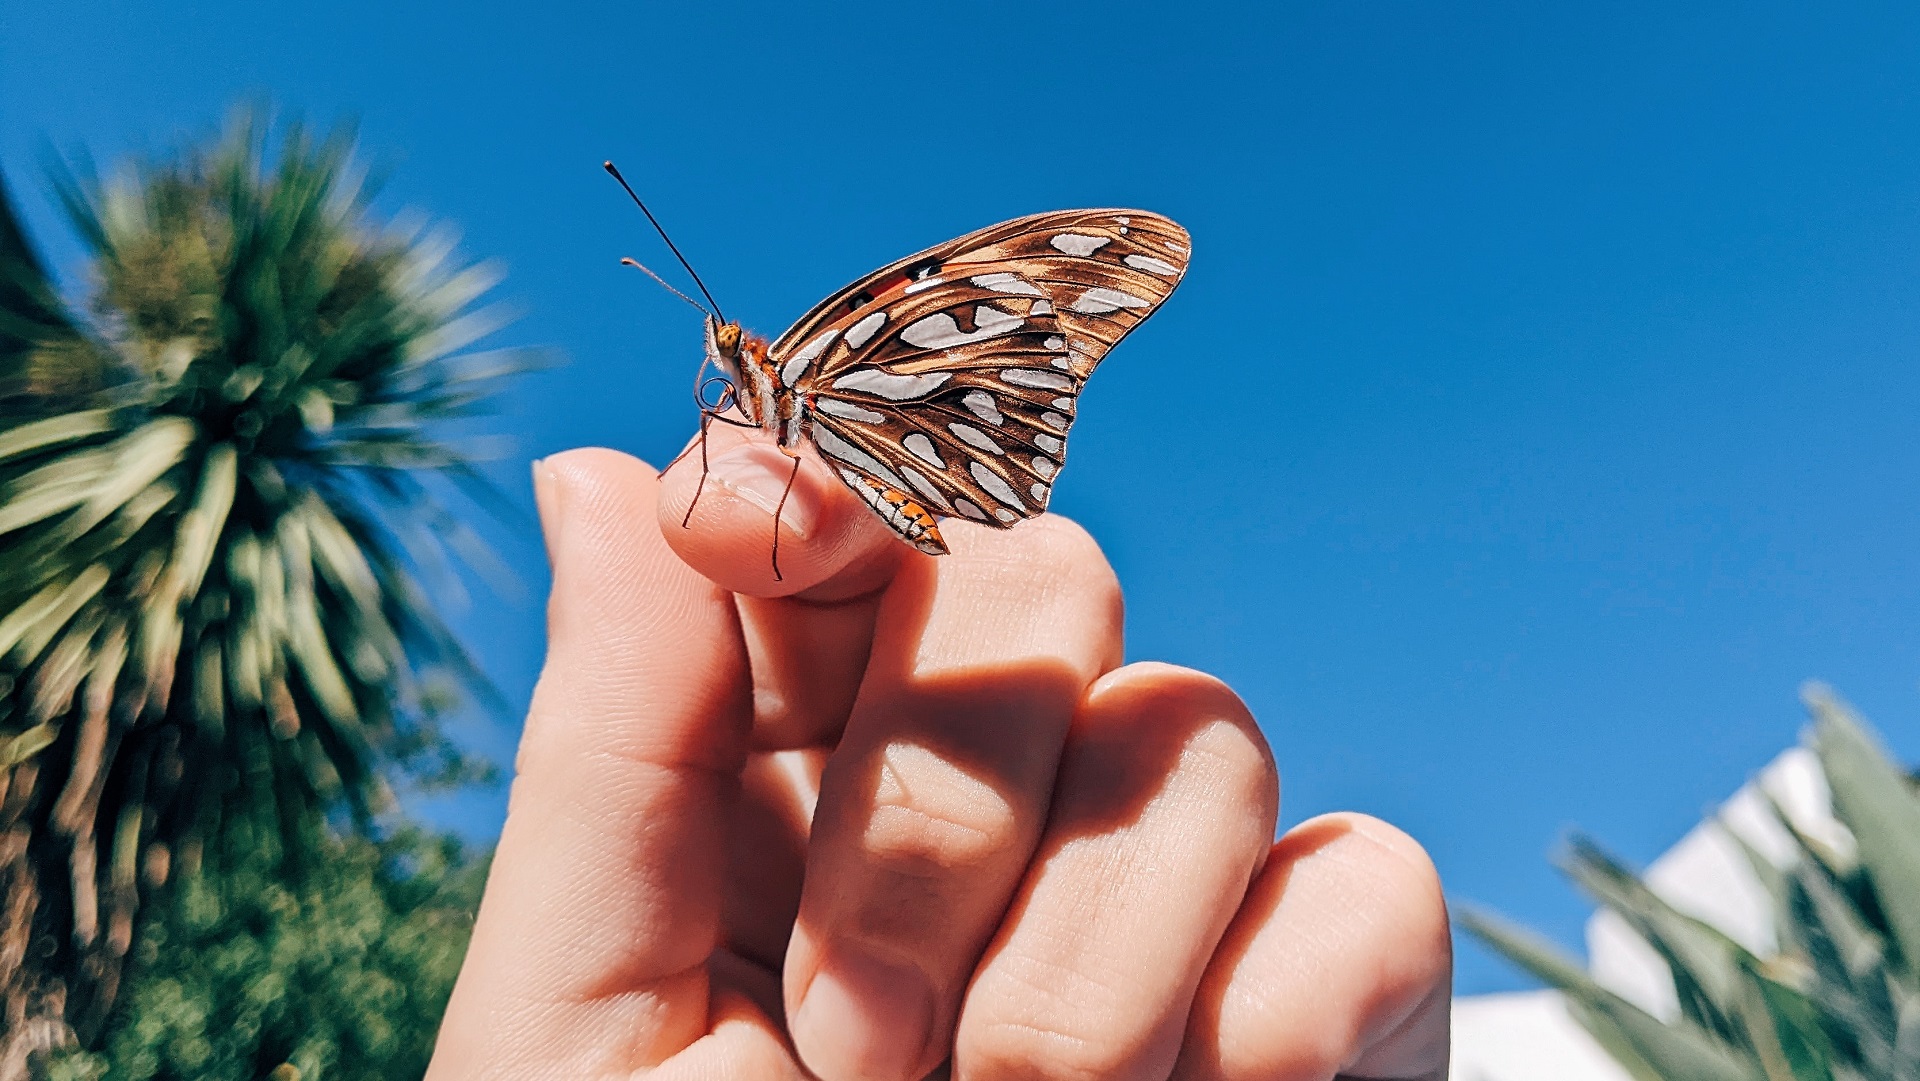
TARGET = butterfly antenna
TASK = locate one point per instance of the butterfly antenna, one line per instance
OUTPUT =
(671, 246)
(642, 268)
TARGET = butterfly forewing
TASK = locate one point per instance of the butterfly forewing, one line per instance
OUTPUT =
(952, 376)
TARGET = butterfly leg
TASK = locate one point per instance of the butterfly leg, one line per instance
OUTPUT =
(707, 417)
(706, 421)
(781, 506)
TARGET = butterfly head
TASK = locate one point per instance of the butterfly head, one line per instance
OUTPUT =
(723, 348)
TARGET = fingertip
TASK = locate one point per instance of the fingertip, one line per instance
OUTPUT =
(1149, 700)
(574, 487)
(595, 468)
(723, 524)
(1401, 865)
(1172, 686)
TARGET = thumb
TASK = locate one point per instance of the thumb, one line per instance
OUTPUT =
(605, 895)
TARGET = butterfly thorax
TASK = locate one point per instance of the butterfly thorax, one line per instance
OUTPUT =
(763, 397)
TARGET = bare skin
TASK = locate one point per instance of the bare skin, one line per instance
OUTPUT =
(898, 817)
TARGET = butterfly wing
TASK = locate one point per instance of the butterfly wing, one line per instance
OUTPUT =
(951, 376)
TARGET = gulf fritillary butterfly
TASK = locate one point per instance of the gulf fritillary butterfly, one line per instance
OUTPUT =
(944, 385)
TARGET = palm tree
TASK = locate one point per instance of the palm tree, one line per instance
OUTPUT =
(218, 495)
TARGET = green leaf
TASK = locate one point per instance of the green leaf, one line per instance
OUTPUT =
(25, 745)
(1660, 1052)
(42, 616)
(53, 431)
(1875, 802)
(203, 525)
(1709, 969)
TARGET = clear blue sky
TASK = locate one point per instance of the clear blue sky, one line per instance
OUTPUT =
(1539, 411)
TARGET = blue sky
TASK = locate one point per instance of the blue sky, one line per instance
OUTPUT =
(1537, 415)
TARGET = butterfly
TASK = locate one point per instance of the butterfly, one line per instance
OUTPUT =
(945, 385)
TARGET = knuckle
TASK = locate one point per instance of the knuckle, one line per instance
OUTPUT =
(1234, 770)
(1217, 732)
(1402, 885)
(1064, 544)
(931, 816)
(1057, 1052)
(1402, 863)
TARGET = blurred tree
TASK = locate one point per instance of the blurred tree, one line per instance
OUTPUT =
(214, 514)
(337, 973)
(1839, 1001)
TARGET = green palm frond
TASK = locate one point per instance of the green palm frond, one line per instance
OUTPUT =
(211, 628)
(1838, 1001)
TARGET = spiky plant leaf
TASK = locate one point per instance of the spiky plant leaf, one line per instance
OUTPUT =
(1879, 807)
(1648, 1048)
(210, 624)
(1838, 1002)
(1708, 965)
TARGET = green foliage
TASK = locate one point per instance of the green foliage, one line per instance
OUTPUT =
(341, 972)
(218, 478)
(1840, 1001)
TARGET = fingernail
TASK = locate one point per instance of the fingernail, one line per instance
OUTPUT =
(546, 499)
(864, 1020)
(760, 475)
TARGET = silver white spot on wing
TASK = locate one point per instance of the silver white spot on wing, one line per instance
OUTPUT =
(1005, 515)
(840, 450)
(922, 285)
(922, 448)
(1045, 467)
(1041, 307)
(996, 486)
(982, 405)
(1055, 421)
(808, 353)
(1063, 363)
(1028, 377)
(1080, 243)
(892, 387)
(1049, 443)
(1056, 343)
(1008, 283)
(925, 487)
(942, 331)
(974, 437)
(1065, 405)
(1040, 493)
(1100, 300)
(848, 410)
(862, 332)
(1173, 247)
(966, 507)
(1151, 265)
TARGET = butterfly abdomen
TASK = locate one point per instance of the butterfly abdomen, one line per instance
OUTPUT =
(907, 518)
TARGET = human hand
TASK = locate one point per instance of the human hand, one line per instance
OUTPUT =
(909, 817)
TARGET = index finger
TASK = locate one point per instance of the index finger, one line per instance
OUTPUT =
(602, 907)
